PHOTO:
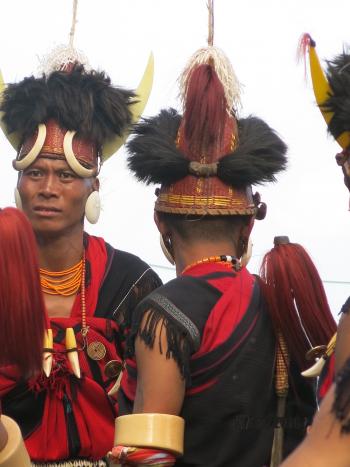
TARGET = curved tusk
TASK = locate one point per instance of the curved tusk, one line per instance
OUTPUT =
(72, 351)
(316, 368)
(73, 162)
(13, 138)
(34, 152)
(116, 385)
(47, 355)
(142, 94)
(322, 91)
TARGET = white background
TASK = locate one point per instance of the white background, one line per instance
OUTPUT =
(309, 203)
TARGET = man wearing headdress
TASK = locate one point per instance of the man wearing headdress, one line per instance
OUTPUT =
(328, 440)
(205, 343)
(64, 124)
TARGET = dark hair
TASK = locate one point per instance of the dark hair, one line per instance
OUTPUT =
(208, 228)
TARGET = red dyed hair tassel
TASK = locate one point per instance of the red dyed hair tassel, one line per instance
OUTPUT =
(205, 110)
(305, 42)
(22, 310)
(296, 298)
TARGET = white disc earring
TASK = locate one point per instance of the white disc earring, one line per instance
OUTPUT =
(93, 207)
(18, 200)
(165, 250)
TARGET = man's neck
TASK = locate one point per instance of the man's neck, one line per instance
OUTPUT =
(60, 252)
(187, 254)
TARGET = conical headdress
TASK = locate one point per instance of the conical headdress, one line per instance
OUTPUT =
(206, 159)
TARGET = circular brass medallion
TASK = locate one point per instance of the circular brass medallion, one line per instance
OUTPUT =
(113, 368)
(96, 350)
(316, 352)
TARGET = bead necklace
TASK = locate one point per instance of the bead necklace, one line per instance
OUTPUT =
(67, 287)
(66, 282)
(226, 260)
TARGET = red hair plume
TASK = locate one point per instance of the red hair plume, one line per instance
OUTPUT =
(205, 110)
(296, 299)
(22, 309)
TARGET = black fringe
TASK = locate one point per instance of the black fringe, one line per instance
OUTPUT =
(261, 154)
(179, 343)
(341, 404)
(154, 157)
(144, 287)
(338, 74)
(82, 101)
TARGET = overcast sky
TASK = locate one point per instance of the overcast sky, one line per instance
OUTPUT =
(309, 203)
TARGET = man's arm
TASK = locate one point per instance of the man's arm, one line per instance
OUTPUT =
(160, 384)
(324, 446)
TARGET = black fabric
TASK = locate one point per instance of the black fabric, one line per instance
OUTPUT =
(230, 406)
(122, 271)
(193, 296)
(183, 306)
(72, 429)
(24, 406)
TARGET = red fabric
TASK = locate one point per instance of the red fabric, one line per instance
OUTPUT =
(223, 319)
(327, 379)
(92, 409)
(123, 455)
(229, 309)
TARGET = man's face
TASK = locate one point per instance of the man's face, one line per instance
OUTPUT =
(53, 196)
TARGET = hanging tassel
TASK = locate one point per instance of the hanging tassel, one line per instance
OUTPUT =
(64, 57)
(217, 59)
(205, 111)
(296, 298)
(281, 386)
(305, 42)
(22, 309)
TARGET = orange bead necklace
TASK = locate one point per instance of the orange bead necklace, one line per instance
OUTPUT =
(226, 260)
(66, 282)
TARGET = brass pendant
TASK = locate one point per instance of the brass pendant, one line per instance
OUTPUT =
(315, 352)
(96, 350)
(113, 368)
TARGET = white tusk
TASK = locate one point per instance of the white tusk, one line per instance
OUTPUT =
(73, 162)
(47, 356)
(142, 94)
(72, 352)
(116, 385)
(315, 369)
(34, 152)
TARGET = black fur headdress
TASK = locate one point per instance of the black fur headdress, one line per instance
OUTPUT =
(338, 74)
(78, 100)
(155, 158)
